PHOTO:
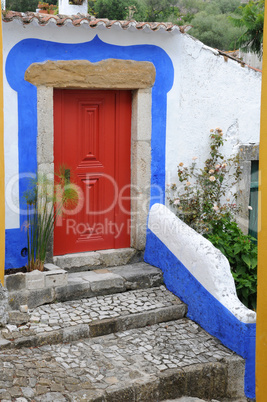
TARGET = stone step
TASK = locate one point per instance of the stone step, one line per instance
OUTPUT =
(98, 259)
(156, 363)
(87, 284)
(91, 317)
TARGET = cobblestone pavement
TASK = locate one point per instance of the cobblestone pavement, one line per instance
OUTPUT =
(85, 370)
(191, 399)
(52, 317)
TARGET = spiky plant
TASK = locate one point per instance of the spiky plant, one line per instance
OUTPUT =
(42, 209)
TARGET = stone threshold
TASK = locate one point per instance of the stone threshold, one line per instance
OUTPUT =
(93, 260)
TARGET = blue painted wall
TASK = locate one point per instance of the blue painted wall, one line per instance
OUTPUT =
(29, 51)
(203, 308)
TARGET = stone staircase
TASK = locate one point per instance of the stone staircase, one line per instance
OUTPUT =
(114, 334)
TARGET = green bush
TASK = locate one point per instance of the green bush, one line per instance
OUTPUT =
(241, 252)
(205, 202)
(205, 194)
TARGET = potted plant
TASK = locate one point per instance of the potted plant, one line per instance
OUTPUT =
(76, 2)
(44, 204)
(45, 8)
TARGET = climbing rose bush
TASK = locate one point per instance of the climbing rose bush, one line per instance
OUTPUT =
(206, 202)
(205, 195)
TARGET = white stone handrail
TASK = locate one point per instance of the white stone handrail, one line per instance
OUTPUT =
(205, 262)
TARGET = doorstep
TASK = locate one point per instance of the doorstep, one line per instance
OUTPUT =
(93, 260)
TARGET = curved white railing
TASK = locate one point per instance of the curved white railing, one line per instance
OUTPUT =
(205, 262)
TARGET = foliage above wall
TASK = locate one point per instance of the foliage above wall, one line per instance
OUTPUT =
(25, 5)
(222, 24)
(251, 20)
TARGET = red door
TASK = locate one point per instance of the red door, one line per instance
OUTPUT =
(92, 139)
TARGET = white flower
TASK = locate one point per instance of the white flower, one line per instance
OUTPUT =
(215, 207)
(194, 158)
(212, 178)
(188, 183)
(224, 165)
(217, 166)
(176, 202)
(211, 171)
(250, 207)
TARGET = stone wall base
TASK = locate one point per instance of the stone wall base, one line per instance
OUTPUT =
(3, 305)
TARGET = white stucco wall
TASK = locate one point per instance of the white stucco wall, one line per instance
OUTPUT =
(251, 59)
(213, 92)
(208, 92)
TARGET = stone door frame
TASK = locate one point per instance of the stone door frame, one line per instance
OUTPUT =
(107, 74)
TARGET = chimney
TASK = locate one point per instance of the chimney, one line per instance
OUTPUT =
(72, 7)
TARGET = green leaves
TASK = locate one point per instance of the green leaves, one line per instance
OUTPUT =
(203, 202)
(203, 189)
(242, 255)
(251, 21)
(215, 30)
(210, 21)
(25, 5)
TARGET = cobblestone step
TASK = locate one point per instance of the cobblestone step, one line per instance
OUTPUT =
(113, 334)
(87, 284)
(156, 363)
(72, 320)
(90, 284)
(192, 399)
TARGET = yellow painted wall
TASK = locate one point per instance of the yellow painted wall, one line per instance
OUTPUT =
(2, 167)
(261, 334)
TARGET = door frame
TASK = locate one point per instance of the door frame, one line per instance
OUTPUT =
(100, 164)
(118, 76)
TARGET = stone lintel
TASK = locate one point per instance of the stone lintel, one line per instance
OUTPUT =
(106, 74)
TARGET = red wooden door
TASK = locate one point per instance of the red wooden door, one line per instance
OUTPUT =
(92, 139)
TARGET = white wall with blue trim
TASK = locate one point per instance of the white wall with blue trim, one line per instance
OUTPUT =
(196, 89)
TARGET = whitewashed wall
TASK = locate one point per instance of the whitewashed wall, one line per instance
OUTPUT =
(208, 92)
(213, 92)
(251, 59)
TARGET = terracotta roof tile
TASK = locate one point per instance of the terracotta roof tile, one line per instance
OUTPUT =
(80, 19)
(229, 55)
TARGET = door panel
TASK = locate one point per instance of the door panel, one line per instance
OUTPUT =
(92, 137)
